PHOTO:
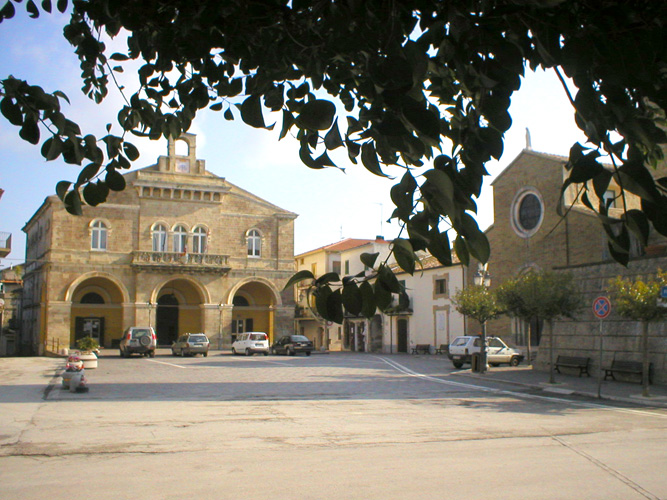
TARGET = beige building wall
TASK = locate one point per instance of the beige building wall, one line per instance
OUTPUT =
(220, 288)
(432, 318)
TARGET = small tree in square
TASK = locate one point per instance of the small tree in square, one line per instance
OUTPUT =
(639, 300)
(542, 295)
(480, 303)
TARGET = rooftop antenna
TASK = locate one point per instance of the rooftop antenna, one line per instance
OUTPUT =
(381, 218)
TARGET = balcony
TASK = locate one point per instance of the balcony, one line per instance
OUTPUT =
(178, 262)
(5, 244)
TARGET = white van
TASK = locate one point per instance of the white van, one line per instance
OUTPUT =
(249, 343)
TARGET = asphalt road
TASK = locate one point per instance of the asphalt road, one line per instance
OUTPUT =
(337, 426)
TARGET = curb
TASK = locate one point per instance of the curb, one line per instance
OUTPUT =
(652, 401)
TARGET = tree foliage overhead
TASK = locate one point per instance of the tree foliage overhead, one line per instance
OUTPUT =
(419, 83)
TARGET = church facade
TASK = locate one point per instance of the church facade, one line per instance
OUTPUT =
(180, 249)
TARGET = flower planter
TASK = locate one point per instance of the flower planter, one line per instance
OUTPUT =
(89, 360)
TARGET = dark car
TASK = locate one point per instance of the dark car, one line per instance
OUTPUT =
(291, 345)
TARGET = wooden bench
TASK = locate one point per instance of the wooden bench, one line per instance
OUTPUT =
(443, 349)
(424, 348)
(619, 366)
(579, 362)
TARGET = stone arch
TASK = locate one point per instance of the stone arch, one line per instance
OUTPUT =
(277, 300)
(71, 289)
(262, 299)
(204, 295)
(178, 302)
(102, 321)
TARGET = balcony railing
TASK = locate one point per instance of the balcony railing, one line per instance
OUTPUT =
(184, 262)
(5, 244)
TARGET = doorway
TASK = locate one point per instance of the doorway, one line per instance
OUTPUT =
(89, 327)
(402, 335)
(166, 320)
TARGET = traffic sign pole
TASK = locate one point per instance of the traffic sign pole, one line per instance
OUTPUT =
(601, 309)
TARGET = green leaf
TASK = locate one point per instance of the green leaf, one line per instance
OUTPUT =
(439, 247)
(72, 202)
(461, 250)
(251, 112)
(299, 277)
(368, 300)
(352, 298)
(383, 296)
(333, 139)
(335, 307)
(61, 189)
(439, 191)
(46, 5)
(476, 240)
(52, 148)
(33, 11)
(327, 278)
(115, 180)
(288, 121)
(316, 115)
(11, 110)
(321, 295)
(638, 224)
(8, 11)
(404, 254)
(131, 151)
(368, 259)
(30, 130)
(229, 116)
(306, 158)
(370, 159)
(92, 195)
(88, 173)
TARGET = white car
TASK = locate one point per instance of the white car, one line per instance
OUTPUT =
(497, 351)
(249, 343)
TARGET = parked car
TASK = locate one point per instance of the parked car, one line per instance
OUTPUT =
(190, 344)
(138, 339)
(249, 343)
(292, 344)
(497, 352)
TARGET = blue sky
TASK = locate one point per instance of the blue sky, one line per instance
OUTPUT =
(331, 204)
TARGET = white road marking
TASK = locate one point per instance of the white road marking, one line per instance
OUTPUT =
(412, 373)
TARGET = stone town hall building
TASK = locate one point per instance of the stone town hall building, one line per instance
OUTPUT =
(180, 249)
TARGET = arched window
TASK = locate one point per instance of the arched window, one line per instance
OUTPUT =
(254, 241)
(240, 301)
(98, 235)
(92, 298)
(180, 239)
(159, 238)
(199, 240)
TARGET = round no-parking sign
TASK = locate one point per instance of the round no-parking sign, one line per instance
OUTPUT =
(601, 307)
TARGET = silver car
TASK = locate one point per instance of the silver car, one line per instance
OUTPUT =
(190, 344)
(138, 339)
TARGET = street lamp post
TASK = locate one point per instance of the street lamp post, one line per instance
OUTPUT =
(150, 308)
(482, 278)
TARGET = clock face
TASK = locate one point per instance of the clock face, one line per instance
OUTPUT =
(182, 166)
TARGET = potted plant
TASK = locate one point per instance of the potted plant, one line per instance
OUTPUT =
(88, 347)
